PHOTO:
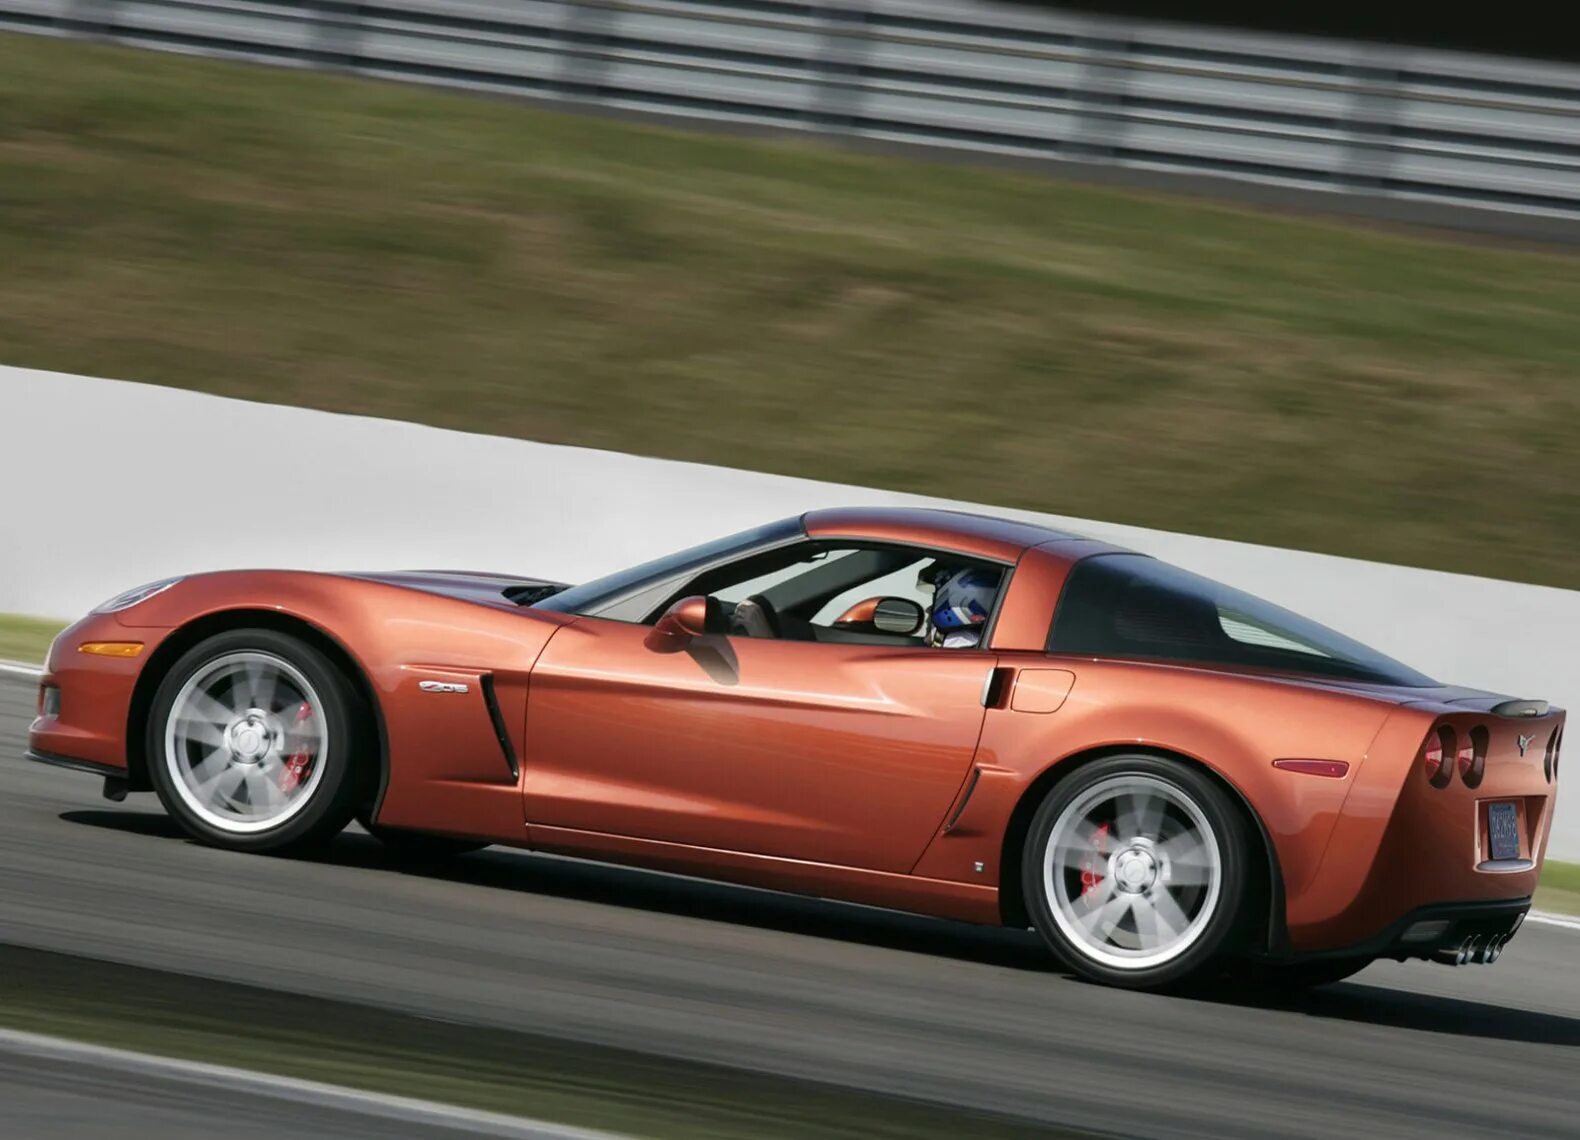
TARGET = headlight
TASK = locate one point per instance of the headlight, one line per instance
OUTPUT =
(129, 599)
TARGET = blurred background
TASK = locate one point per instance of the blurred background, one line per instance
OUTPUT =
(1192, 275)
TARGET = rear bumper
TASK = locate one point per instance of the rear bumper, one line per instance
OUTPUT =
(1438, 931)
(1407, 847)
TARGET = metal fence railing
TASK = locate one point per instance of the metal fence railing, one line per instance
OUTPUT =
(971, 75)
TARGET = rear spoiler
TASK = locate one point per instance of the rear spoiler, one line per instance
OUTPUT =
(1519, 708)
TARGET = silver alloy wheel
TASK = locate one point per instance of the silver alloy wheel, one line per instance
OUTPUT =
(1133, 871)
(246, 742)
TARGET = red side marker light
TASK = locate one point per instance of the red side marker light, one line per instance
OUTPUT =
(1332, 769)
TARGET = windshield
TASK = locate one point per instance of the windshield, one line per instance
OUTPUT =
(601, 593)
(1129, 605)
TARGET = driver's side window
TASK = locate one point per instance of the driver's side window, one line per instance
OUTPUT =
(908, 582)
(854, 593)
(759, 583)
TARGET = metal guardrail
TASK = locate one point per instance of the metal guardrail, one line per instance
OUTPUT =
(971, 75)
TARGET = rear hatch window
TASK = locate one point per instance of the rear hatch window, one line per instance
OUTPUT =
(1130, 605)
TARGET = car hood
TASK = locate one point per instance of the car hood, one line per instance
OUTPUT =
(470, 586)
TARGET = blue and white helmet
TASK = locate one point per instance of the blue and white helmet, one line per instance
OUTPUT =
(961, 604)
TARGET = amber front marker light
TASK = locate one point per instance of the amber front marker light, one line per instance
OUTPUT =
(111, 648)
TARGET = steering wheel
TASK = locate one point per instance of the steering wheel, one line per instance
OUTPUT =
(756, 617)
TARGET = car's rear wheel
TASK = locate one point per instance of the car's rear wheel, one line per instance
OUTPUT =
(256, 742)
(1135, 871)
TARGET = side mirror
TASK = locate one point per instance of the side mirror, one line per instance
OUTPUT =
(686, 619)
(900, 616)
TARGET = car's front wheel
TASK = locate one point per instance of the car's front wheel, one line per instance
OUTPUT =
(1135, 870)
(255, 742)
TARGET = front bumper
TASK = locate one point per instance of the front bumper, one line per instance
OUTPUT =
(85, 721)
(116, 784)
(71, 763)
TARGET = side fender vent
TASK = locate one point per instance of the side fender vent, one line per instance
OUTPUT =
(486, 683)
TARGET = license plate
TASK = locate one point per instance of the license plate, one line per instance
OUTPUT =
(1503, 831)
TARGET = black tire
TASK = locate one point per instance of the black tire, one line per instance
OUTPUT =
(1294, 976)
(1138, 871)
(420, 846)
(329, 801)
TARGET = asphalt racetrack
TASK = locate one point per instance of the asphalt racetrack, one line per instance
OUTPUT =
(840, 993)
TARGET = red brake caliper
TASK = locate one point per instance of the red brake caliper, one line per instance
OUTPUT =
(295, 769)
(1090, 879)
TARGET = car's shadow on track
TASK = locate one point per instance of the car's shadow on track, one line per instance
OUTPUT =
(630, 888)
(1402, 1009)
(635, 889)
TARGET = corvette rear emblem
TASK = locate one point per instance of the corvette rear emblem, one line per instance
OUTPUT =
(445, 687)
(1525, 742)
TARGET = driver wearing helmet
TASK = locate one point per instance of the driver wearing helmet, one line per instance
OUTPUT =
(962, 600)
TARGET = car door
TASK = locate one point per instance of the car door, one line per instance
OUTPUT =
(833, 753)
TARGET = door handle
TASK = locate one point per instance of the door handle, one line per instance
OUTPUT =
(995, 685)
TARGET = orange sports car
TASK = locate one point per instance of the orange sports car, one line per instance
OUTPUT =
(935, 711)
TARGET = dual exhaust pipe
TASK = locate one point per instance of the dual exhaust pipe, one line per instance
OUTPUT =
(1474, 951)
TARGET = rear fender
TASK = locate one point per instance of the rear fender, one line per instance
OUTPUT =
(1121, 707)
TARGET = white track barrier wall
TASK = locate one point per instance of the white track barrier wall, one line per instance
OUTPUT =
(113, 483)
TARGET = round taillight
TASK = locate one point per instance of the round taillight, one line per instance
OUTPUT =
(1440, 744)
(1472, 758)
(1554, 743)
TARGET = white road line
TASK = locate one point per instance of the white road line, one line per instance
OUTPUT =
(21, 669)
(426, 1113)
(1553, 920)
